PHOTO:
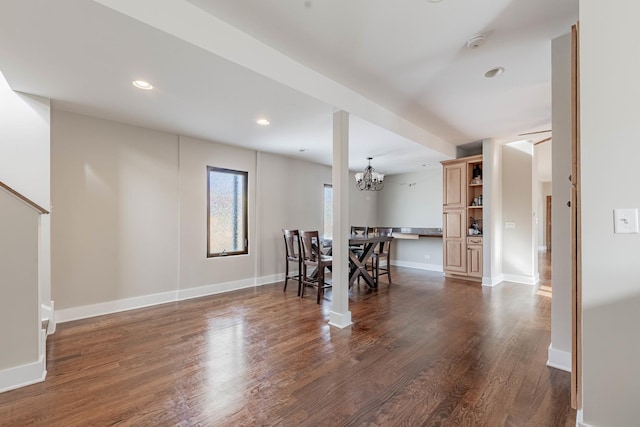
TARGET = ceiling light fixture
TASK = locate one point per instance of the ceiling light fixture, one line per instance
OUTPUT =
(494, 72)
(369, 180)
(303, 150)
(141, 84)
(263, 122)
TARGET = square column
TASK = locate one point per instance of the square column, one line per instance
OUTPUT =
(340, 315)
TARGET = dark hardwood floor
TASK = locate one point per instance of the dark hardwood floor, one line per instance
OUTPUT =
(425, 351)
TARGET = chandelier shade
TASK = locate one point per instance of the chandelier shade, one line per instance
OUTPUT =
(369, 180)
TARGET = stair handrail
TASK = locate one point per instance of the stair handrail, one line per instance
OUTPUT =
(24, 198)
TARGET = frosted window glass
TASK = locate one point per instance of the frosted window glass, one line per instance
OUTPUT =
(227, 212)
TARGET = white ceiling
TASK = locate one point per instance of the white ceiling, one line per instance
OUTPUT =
(406, 56)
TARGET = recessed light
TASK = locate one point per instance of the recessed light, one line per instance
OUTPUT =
(263, 122)
(141, 84)
(435, 1)
(494, 72)
(303, 150)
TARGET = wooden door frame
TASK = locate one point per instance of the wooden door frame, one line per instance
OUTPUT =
(576, 237)
(547, 225)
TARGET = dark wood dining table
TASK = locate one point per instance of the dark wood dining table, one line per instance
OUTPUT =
(361, 248)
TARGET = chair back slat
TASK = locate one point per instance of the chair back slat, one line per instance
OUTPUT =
(292, 243)
(310, 245)
(359, 230)
(385, 247)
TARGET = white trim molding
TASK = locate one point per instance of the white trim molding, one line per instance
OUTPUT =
(559, 359)
(492, 281)
(340, 320)
(47, 313)
(219, 288)
(525, 280)
(579, 419)
(93, 310)
(418, 265)
(24, 375)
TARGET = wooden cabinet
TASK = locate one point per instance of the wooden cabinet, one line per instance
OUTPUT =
(454, 235)
(462, 217)
(474, 256)
(455, 184)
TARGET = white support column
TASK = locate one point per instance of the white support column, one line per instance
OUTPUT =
(340, 315)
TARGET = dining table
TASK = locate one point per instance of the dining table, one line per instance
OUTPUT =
(361, 248)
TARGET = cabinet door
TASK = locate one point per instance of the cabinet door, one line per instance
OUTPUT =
(455, 259)
(455, 185)
(474, 260)
(454, 224)
(454, 242)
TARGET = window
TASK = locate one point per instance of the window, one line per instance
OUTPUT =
(226, 212)
(328, 211)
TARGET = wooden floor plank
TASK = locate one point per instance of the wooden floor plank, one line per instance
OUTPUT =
(425, 351)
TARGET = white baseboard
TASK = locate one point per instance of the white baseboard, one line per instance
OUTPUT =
(340, 320)
(93, 310)
(559, 359)
(579, 419)
(47, 312)
(218, 288)
(492, 281)
(22, 376)
(525, 280)
(417, 265)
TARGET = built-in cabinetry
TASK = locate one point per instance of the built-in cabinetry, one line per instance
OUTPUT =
(462, 217)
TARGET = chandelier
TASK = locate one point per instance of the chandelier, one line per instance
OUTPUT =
(369, 180)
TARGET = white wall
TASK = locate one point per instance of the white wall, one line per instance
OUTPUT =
(19, 307)
(561, 193)
(25, 163)
(492, 213)
(24, 143)
(609, 93)
(363, 205)
(115, 226)
(25, 269)
(130, 219)
(195, 268)
(414, 200)
(519, 247)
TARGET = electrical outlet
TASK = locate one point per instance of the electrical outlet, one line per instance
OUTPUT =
(509, 224)
(427, 256)
(625, 221)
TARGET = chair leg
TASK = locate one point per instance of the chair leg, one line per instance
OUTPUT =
(389, 270)
(377, 275)
(299, 277)
(286, 274)
(304, 275)
(320, 283)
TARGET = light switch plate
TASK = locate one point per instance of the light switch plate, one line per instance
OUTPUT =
(625, 221)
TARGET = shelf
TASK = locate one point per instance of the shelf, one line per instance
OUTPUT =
(475, 185)
(474, 207)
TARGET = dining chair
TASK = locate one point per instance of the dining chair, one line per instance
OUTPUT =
(292, 254)
(383, 252)
(313, 260)
(357, 230)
